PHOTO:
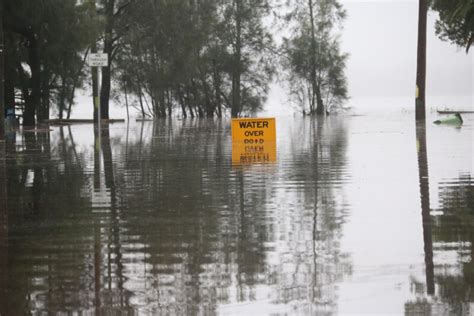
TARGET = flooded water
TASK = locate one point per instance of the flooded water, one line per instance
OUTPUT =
(358, 214)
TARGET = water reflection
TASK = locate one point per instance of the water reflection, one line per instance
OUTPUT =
(448, 243)
(425, 204)
(163, 222)
(157, 219)
(3, 231)
(453, 234)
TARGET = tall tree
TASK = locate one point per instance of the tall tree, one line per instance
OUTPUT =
(45, 54)
(114, 14)
(312, 56)
(202, 56)
(251, 46)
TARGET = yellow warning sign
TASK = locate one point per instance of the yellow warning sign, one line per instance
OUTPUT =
(253, 131)
(249, 154)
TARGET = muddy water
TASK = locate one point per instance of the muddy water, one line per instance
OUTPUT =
(358, 214)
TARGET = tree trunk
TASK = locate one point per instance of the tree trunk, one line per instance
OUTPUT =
(217, 90)
(62, 93)
(106, 71)
(319, 101)
(10, 75)
(74, 85)
(236, 72)
(105, 93)
(95, 71)
(43, 111)
(316, 92)
(2, 82)
(181, 102)
(140, 99)
(33, 102)
(126, 102)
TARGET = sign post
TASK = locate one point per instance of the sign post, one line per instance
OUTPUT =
(98, 60)
(253, 140)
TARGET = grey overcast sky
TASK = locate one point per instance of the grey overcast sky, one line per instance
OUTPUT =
(381, 37)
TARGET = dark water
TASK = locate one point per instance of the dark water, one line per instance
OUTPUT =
(368, 215)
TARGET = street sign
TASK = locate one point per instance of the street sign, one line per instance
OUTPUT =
(253, 131)
(98, 60)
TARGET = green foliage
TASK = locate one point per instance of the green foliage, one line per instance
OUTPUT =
(456, 21)
(197, 56)
(205, 58)
(312, 58)
(49, 38)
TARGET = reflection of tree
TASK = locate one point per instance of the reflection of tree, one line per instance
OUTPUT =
(423, 176)
(45, 248)
(453, 231)
(450, 231)
(313, 259)
(194, 217)
(164, 224)
(3, 232)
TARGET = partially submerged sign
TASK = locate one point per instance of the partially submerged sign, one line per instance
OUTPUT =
(249, 154)
(253, 131)
(253, 140)
(98, 60)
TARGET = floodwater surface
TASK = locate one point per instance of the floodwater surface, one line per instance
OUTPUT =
(357, 215)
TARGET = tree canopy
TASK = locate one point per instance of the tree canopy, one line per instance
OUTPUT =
(456, 21)
(312, 56)
(197, 58)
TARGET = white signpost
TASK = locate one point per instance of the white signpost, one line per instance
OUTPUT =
(98, 60)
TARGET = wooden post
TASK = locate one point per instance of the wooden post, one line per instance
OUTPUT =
(420, 102)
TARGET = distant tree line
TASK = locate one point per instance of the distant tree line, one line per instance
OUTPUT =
(195, 58)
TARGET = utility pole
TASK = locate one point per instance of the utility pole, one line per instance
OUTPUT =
(2, 76)
(420, 102)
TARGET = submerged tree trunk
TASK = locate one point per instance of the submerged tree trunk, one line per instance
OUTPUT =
(74, 85)
(9, 75)
(105, 93)
(140, 99)
(236, 72)
(34, 100)
(316, 98)
(2, 86)
(217, 90)
(106, 71)
(43, 111)
(181, 102)
(126, 102)
(61, 101)
(319, 101)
